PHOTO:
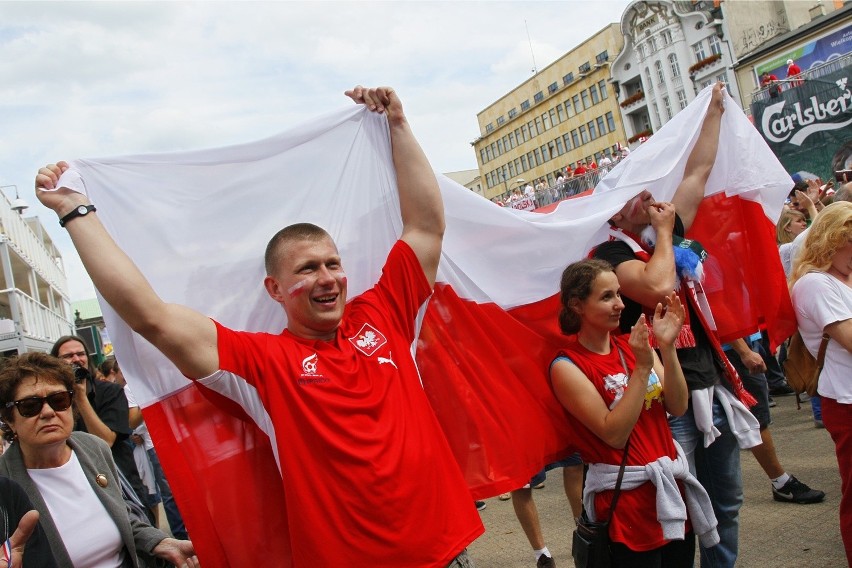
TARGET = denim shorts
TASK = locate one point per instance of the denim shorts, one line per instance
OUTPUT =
(573, 459)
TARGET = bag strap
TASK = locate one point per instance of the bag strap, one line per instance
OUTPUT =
(626, 448)
(820, 361)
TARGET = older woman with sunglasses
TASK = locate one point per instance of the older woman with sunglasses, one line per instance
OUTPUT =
(70, 476)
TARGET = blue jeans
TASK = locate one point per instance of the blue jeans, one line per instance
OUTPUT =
(718, 469)
(169, 505)
(816, 407)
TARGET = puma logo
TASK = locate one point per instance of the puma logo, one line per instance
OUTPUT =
(383, 360)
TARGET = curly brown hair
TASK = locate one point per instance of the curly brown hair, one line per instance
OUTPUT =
(33, 364)
(575, 286)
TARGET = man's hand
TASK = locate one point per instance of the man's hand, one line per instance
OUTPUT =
(662, 216)
(19, 538)
(181, 553)
(63, 200)
(752, 361)
(379, 99)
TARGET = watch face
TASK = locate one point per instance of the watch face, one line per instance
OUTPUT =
(82, 210)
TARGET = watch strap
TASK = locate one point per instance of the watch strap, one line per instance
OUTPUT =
(78, 211)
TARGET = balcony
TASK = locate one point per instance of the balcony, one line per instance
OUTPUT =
(34, 304)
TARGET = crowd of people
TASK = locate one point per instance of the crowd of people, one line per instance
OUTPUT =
(641, 375)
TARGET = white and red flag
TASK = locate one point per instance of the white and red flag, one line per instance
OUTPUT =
(196, 224)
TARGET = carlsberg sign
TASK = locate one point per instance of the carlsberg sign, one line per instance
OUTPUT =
(801, 119)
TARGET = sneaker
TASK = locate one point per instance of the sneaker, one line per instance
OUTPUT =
(783, 390)
(545, 561)
(539, 486)
(480, 505)
(794, 491)
(772, 403)
(505, 496)
(818, 424)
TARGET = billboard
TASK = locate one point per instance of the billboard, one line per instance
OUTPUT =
(812, 54)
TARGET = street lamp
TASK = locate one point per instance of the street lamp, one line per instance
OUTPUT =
(18, 204)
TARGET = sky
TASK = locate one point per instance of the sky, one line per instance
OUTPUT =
(94, 79)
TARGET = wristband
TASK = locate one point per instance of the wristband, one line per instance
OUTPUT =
(79, 211)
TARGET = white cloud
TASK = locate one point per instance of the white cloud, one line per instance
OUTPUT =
(110, 78)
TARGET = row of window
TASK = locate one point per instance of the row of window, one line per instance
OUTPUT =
(558, 146)
(649, 46)
(681, 99)
(551, 88)
(583, 100)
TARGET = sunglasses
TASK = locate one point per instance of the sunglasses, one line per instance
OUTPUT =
(28, 407)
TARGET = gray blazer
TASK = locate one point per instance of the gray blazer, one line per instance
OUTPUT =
(95, 458)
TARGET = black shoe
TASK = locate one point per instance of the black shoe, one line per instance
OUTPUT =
(794, 491)
(545, 561)
(480, 505)
(783, 390)
(772, 403)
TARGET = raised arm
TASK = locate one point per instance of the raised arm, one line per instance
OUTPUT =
(690, 192)
(419, 196)
(185, 337)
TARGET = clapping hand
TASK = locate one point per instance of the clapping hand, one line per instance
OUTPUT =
(667, 327)
(639, 344)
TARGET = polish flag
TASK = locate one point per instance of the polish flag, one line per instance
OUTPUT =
(196, 224)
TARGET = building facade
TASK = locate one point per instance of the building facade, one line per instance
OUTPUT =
(671, 51)
(34, 304)
(565, 113)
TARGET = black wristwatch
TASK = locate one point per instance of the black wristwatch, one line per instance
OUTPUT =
(79, 211)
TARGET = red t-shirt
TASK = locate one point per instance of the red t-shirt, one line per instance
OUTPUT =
(368, 475)
(635, 523)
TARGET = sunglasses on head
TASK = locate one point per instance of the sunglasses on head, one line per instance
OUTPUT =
(28, 407)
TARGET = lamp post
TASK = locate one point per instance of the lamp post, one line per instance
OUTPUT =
(18, 204)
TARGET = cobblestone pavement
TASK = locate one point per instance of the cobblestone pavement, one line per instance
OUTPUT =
(772, 534)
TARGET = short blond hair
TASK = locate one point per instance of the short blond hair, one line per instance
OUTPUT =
(831, 231)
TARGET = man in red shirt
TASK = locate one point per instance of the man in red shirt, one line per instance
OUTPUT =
(793, 71)
(339, 383)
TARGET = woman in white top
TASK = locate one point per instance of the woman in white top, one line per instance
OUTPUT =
(70, 476)
(821, 286)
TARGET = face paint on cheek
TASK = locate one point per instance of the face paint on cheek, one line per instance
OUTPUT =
(296, 288)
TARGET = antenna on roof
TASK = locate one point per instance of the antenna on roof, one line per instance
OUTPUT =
(535, 68)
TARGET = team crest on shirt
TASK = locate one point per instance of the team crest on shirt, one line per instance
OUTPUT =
(368, 340)
(310, 373)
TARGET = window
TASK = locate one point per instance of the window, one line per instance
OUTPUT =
(673, 65)
(488, 155)
(525, 105)
(584, 135)
(499, 147)
(668, 108)
(577, 106)
(553, 119)
(513, 113)
(533, 130)
(681, 99)
(610, 121)
(545, 119)
(593, 91)
(723, 78)
(657, 113)
(517, 165)
(649, 84)
(568, 79)
(505, 143)
(545, 153)
(511, 169)
(559, 147)
(652, 43)
(537, 154)
(489, 127)
(567, 142)
(560, 111)
(666, 37)
(575, 138)
(706, 83)
(640, 49)
(511, 140)
(569, 110)
(585, 94)
(601, 126)
(524, 163)
(593, 132)
(501, 120)
(715, 44)
(661, 77)
(552, 88)
(518, 138)
(602, 88)
(482, 155)
(539, 127)
(525, 133)
(538, 97)
(494, 150)
(585, 67)
(601, 57)
(698, 49)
